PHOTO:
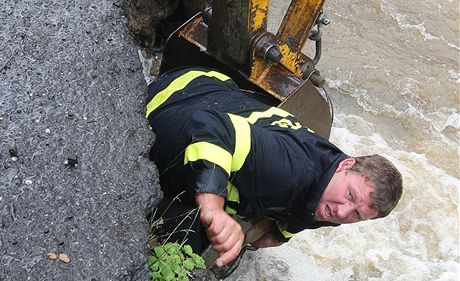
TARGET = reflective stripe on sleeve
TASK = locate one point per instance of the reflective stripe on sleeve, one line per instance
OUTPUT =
(267, 114)
(232, 195)
(242, 141)
(178, 84)
(229, 210)
(210, 152)
(219, 156)
(285, 233)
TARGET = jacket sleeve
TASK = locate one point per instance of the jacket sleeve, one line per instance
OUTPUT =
(218, 145)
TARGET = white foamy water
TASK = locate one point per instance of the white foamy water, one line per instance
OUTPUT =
(393, 72)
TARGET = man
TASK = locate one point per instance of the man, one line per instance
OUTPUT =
(230, 153)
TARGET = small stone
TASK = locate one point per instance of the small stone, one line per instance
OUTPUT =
(28, 182)
(47, 131)
(52, 256)
(63, 257)
(71, 162)
(13, 151)
(14, 158)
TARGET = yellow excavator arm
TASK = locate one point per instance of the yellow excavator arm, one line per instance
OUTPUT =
(232, 36)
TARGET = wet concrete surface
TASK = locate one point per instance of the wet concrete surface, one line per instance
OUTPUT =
(74, 174)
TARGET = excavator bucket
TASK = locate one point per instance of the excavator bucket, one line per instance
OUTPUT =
(233, 39)
(311, 108)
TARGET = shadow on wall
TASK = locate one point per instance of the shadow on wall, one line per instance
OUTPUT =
(145, 17)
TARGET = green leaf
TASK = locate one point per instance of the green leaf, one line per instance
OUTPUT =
(187, 249)
(183, 278)
(199, 262)
(172, 248)
(155, 266)
(176, 259)
(168, 274)
(173, 262)
(166, 266)
(182, 275)
(189, 264)
(155, 276)
(159, 251)
(176, 268)
(151, 260)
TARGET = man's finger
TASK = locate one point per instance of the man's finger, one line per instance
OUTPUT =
(223, 245)
(224, 235)
(215, 229)
(229, 255)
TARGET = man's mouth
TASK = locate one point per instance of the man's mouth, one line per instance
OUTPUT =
(328, 211)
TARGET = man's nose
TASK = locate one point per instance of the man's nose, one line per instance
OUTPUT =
(343, 211)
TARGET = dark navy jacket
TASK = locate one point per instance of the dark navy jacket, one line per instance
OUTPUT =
(213, 137)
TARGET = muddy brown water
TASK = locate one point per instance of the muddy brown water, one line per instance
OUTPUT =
(392, 68)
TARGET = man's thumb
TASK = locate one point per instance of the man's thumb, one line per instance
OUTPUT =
(206, 218)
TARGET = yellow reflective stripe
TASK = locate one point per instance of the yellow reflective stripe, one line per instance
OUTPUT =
(242, 141)
(232, 193)
(230, 210)
(286, 123)
(296, 126)
(210, 152)
(285, 233)
(267, 114)
(283, 123)
(178, 84)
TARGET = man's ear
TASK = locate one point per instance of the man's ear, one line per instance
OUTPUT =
(346, 164)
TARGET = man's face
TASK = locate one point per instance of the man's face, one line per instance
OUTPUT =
(346, 198)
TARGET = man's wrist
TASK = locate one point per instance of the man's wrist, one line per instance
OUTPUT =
(209, 204)
(210, 201)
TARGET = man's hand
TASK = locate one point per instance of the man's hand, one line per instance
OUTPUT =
(225, 233)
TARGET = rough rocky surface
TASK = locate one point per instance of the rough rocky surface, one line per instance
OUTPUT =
(149, 18)
(144, 16)
(72, 90)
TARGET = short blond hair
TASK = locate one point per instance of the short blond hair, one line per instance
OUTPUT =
(385, 179)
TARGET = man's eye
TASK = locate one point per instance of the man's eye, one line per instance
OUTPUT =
(357, 216)
(349, 195)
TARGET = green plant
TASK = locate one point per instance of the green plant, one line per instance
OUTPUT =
(173, 261)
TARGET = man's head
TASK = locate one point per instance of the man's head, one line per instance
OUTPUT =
(361, 188)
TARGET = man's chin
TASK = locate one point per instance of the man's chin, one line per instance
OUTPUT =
(317, 215)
